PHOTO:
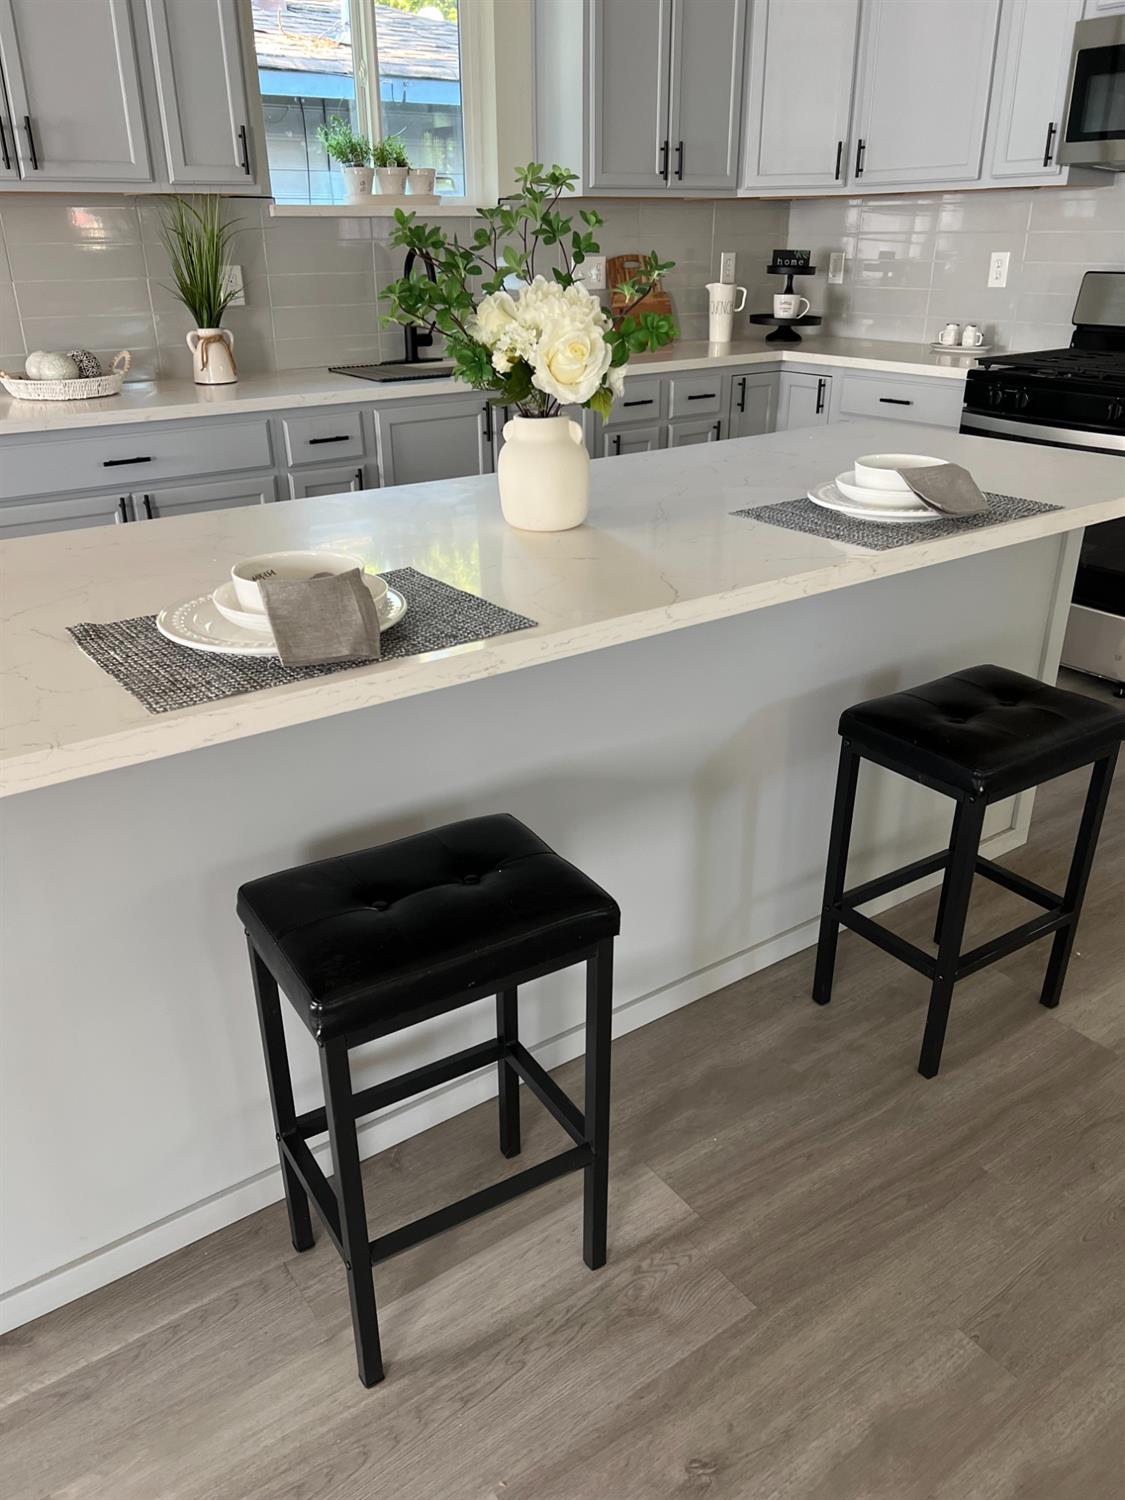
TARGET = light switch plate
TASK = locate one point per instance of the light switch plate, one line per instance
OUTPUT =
(998, 268)
(836, 267)
(726, 267)
(234, 283)
(592, 273)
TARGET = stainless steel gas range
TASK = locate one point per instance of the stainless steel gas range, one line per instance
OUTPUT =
(1072, 398)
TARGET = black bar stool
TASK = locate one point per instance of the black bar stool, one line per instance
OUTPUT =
(368, 943)
(976, 736)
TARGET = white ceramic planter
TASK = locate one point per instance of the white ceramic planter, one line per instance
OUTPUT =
(420, 180)
(212, 356)
(357, 183)
(392, 180)
(544, 474)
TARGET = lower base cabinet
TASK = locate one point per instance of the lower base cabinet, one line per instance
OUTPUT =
(187, 499)
(701, 430)
(442, 438)
(29, 518)
(335, 481)
(802, 400)
(643, 437)
(753, 405)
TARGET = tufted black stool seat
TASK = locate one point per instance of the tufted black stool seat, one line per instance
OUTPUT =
(368, 943)
(977, 736)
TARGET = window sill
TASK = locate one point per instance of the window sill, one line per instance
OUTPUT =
(380, 207)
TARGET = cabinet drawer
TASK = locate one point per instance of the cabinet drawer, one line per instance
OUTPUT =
(695, 395)
(642, 401)
(61, 515)
(327, 436)
(934, 401)
(134, 459)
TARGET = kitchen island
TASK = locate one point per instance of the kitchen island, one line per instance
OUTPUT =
(676, 738)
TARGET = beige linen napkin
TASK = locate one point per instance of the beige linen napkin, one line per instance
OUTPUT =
(320, 620)
(947, 488)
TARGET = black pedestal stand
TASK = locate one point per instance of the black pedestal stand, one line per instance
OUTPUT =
(786, 330)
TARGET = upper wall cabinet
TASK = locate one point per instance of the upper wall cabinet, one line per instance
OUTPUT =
(1032, 70)
(922, 96)
(72, 84)
(630, 41)
(799, 93)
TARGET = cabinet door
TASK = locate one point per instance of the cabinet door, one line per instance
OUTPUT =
(638, 438)
(924, 76)
(799, 93)
(630, 41)
(201, 88)
(1031, 79)
(440, 439)
(36, 516)
(9, 156)
(705, 115)
(185, 499)
(687, 434)
(802, 400)
(753, 405)
(335, 481)
(71, 72)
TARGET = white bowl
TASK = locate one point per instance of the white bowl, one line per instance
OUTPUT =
(292, 566)
(876, 499)
(878, 471)
(226, 602)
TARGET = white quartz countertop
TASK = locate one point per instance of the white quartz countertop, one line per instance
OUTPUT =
(171, 400)
(659, 552)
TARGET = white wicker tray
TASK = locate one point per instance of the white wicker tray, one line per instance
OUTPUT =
(69, 390)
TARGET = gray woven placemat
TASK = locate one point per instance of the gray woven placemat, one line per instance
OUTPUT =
(876, 536)
(164, 676)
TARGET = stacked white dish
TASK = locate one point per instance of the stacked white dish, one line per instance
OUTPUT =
(874, 490)
(232, 621)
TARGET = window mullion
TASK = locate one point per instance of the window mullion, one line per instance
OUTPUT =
(365, 65)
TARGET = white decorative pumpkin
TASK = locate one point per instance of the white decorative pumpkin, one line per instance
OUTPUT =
(31, 364)
(56, 367)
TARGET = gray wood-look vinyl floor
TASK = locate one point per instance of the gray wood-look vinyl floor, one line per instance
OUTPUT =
(828, 1278)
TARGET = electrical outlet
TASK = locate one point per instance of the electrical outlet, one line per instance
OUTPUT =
(234, 283)
(998, 268)
(836, 267)
(726, 267)
(593, 273)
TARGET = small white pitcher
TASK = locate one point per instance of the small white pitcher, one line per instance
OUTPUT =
(544, 474)
(212, 356)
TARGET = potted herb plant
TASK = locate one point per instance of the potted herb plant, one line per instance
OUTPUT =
(353, 152)
(391, 165)
(198, 245)
(539, 342)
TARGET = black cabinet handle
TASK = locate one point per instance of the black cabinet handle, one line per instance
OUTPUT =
(244, 149)
(664, 160)
(31, 143)
(702, 396)
(718, 430)
(839, 159)
(4, 147)
(146, 501)
(359, 479)
(860, 153)
(340, 438)
(821, 387)
(117, 463)
(617, 442)
(122, 511)
(680, 161)
(892, 401)
(1049, 147)
(487, 421)
(646, 401)
(742, 393)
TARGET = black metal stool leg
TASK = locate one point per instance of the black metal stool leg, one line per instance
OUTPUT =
(956, 890)
(507, 1030)
(599, 1030)
(954, 835)
(348, 1186)
(835, 872)
(1101, 779)
(281, 1094)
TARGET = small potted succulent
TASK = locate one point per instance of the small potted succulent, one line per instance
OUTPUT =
(391, 165)
(353, 152)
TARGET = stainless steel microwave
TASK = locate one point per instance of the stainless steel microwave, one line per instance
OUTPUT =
(1093, 131)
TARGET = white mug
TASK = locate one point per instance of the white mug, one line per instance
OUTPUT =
(788, 305)
(950, 334)
(722, 307)
(972, 338)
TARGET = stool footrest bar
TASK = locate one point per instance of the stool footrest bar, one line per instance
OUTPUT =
(406, 1085)
(547, 1091)
(386, 1245)
(883, 884)
(884, 938)
(1018, 883)
(316, 1184)
(1009, 942)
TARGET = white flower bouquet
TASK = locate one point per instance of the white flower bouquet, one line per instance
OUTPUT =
(540, 343)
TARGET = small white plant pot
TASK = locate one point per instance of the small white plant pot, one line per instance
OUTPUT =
(357, 183)
(212, 356)
(392, 180)
(420, 180)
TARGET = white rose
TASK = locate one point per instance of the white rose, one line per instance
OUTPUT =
(494, 316)
(616, 380)
(570, 362)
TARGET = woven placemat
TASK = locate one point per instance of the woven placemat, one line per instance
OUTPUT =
(165, 676)
(880, 536)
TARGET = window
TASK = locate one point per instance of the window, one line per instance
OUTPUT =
(314, 60)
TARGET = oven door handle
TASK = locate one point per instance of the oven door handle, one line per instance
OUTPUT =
(1034, 432)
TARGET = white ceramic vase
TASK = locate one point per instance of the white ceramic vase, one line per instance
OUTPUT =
(212, 356)
(357, 183)
(392, 180)
(544, 474)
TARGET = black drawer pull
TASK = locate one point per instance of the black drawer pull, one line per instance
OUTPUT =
(742, 393)
(839, 159)
(617, 442)
(344, 437)
(1050, 144)
(821, 387)
(702, 396)
(244, 149)
(895, 401)
(117, 463)
(31, 143)
(718, 430)
(146, 501)
(860, 153)
(486, 413)
(680, 161)
(122, 510)
(4, 147)
(648, 400)
(359, 479)
(664, 161)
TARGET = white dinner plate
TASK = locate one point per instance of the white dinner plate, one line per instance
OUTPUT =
(197, 623)
(830, 498)
(876, 499)
(226, 602)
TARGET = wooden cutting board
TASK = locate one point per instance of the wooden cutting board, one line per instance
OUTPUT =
(621, 268)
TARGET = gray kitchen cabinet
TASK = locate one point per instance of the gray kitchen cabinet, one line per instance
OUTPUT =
(925, 72)
(201, 94)
(936, 401)
(36, 516)
(630, 43)
(186, 499)
(1033, 67)
(341, 479)
(705, 104)
(697, 430)
(72, 83)
(799, 93)
(802, 400)
(637, 437)
(753, 405)
(446, 437)
(9, 161)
